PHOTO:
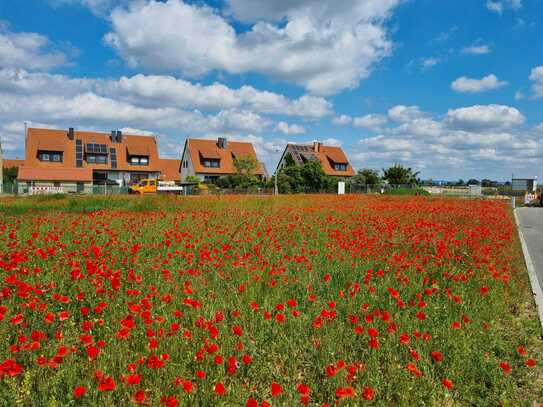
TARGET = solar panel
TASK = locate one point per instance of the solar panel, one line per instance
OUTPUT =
(113, 158)
(78, 153)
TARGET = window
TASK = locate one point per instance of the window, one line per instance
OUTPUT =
(113, 154)
(138, 160)
(96, 159)
(340, 167)
(211, 163)
(152, 182)
(185, 164)
(78, 153)
(50, 156)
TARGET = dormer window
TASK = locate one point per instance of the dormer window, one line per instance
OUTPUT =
(138, 160)
(340, 167)
(50, 156)
(211, 163)
(96, 153)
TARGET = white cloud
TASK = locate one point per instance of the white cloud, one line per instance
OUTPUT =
(483, 146)
(519, 95)
(402, 114)
(428, 63)
(484, 117)
(98, 7)
(465, 84)
(165, 91)
(290, 129)
(325, 47)
(342, 120)
(498, 6)
(536, 76)
(477, 49)
(369, 121)
(28, 50)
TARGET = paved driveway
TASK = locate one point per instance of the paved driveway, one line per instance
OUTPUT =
(531, 224)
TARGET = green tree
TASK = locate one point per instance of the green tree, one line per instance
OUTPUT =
(473, 181)
(400, 175)
(366, 176)
(10, 174)
(245, 165)
(314, 177)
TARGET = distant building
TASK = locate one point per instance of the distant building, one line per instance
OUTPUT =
(73, 160)
(524, 184)
(333, 160)
(212, 159)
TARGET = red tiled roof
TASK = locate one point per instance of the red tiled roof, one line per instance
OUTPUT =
(55, 174)
(6, 163)
(327, 155)
(169, 169)
(139, 145)
(199, 149)
(335, 155)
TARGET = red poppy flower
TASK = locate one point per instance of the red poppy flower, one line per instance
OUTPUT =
(447, 383)
(505, 367)
(139, 396)
(343, 392)
(437, 356)
(107, 384)
(368, 393)
(219, 389)
(276, 389)
(79, 391)
(530, 362)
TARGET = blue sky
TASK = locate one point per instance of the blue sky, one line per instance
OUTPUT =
(451, 88)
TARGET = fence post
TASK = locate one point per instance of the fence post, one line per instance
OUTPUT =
(513, 202)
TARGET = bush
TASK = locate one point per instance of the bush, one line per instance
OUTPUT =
(407, 191)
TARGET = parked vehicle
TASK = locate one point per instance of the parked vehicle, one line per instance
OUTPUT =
(155, 186)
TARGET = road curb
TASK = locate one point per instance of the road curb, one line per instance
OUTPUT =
(536, 287)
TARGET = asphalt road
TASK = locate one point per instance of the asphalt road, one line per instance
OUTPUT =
(531, 224)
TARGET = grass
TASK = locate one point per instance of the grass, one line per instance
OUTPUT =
(350, 296)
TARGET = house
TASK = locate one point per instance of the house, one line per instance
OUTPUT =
(170, 169)
(72, 161)
(211, 159)
(333, 160)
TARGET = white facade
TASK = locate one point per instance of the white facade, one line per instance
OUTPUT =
(187, 169)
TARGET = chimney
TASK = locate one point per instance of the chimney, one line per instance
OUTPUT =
(71, 133)
(113, 136)
(316, 146)
(221, 142)
(119, 136)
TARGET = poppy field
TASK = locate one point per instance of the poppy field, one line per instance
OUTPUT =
(257, 301)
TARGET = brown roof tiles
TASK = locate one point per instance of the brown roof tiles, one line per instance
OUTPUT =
(208, 149)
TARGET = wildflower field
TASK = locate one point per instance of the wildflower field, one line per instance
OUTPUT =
(234, 301)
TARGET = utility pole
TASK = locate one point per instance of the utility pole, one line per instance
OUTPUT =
(276, 188)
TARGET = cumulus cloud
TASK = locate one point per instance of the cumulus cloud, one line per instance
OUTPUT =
(536, 76)
(28, 50)
(165, 91)
(465, 84)
(484, 117)
(322, 46)
(369, 121)
(285, 128)
(342, 120)
(498, 6)
(467, 142)
(403, 114)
